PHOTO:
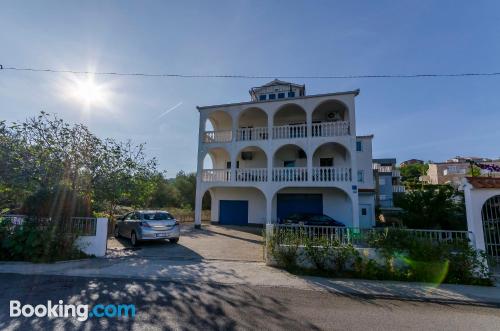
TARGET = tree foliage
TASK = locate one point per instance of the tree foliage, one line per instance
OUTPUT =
(433, 207)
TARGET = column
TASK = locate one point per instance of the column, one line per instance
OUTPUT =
(355, 209)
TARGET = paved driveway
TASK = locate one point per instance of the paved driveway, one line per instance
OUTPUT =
(211, 242)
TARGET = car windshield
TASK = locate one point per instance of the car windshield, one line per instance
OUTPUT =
(158, 216)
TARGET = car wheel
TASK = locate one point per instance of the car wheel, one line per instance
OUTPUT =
(133, 239)
(116, 232)
(174, 240)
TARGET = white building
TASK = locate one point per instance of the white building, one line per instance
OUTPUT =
(285, 152)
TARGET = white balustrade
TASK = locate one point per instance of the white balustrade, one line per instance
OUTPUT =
(398, 189)
(217, 136)
(251, 175)
(331, 174)
(290, 131)
(216, 175)
(330, 129)
(290, 174)
(245, 134)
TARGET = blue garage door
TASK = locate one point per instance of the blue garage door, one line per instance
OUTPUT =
(299, 203)
(233, 212)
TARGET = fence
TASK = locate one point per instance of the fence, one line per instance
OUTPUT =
(358, 236)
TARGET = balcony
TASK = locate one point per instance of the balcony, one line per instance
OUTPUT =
(331, 174)
(252, 134)
(251, 175)
(216, 175)
(330, 129)
(290, 131)
(285, 174)
(217, 136)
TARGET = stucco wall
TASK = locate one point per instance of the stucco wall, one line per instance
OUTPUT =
(255, 198)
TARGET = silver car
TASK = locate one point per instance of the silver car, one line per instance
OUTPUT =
(147, 225)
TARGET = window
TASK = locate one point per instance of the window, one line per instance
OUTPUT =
(359, 146)
(326, 162)
(272, 96)
(289, 164)
(228, 165)
(363, 211)
(262, 97)
(291, 94)
(361, 176)
(281, 95)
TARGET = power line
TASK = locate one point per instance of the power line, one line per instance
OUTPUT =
(142, 74)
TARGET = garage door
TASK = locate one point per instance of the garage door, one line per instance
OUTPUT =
(233, 212)
(299, 203)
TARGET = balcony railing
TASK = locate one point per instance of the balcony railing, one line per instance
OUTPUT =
(330, 129)
(290, 174)
(217, 136)
(290, 131)
(259, 133)
(251, 175)
(331, 174)
(216, 175)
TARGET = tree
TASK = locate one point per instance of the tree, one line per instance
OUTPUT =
(186, 186)
(410, 173)
(433, 207)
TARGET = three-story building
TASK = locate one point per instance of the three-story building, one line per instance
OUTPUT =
(285, 152)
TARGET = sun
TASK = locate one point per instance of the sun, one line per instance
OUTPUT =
(86, 92)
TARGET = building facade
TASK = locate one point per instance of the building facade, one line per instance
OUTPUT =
(387, 182)
(285, 152)
(453, 171)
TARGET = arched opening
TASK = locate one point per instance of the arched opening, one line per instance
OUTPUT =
(216, 166)
(331, 162)
(251, 165)
(330, 201)
(330, 118)
(206, 207)
(490, 215)
(218, 127)
(252, 125)
(290, 121)
(290, 164)
(238, 205)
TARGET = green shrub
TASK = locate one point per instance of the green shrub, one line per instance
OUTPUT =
(37, 243)
(283, 246)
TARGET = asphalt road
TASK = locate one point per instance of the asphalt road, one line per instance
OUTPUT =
(168, 305)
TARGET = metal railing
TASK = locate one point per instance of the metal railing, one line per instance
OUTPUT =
(246, 134)
(330, 129)
(361, 237)
(285, 174)
(290, 131)
(251, 175)
(217, 136)
(216, 175)
(331, 174)
(83, 226)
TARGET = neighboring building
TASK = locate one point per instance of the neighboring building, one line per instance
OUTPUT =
(410, 162)
(387, 182)
(285, 152)
(453, 171)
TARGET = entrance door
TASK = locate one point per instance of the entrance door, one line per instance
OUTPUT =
(365, 216)
(299, 203)
(233, 212)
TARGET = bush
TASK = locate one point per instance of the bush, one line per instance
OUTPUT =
(36, 242)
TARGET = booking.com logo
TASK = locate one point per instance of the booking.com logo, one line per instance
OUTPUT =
(61, 310)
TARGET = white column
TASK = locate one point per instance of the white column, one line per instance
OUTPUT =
(199, 170)
(269, 209)
(198, 205)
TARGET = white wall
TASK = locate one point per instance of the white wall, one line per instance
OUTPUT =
(338, 152)
(253, 117)
(259, 159)
(288, 153)
(95, 245)
(364, 161)
(255, 198)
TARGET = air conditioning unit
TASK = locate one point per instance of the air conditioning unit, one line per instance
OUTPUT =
(333, 116)
(246, 155)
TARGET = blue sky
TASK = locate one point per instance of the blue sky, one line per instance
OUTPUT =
(430, 119)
